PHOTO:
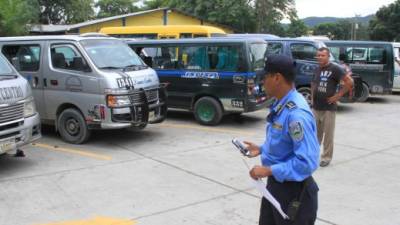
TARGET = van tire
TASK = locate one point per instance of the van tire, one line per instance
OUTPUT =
(72, 126)
(306, 92)
(364, 94)
(208, 111)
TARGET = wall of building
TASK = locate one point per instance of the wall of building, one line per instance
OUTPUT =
(149, 19)
(96, 27)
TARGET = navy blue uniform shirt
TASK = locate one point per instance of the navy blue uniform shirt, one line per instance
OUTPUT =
(291, 147)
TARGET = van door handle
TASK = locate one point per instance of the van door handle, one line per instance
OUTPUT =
(44, 82)
(35, 81)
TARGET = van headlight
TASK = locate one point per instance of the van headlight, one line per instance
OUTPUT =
(29, 107)
(118, 101)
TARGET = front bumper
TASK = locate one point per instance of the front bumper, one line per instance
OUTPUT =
(19, 133)
(148, 106)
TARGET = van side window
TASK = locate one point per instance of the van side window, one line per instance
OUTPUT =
(366, 55)
(195, 58)
(274, 48)
(23, 57)
(337, 53)
(65, 56)
(185, 35)
(224, 58)
(163, 57)
(303, 51)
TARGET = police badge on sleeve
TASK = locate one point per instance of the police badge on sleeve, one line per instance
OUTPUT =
(296, 131)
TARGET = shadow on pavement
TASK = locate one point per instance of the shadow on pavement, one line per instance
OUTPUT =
(230, 119)
(377, 100)
(345, 108)
(10, 164)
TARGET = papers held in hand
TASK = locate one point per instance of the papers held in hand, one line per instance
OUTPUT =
(242, 148)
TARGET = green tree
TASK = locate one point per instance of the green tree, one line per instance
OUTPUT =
(386, 24)
(109, 8)
(237, 14)
(340, 30)
(65, 12)
(154, 4)
(16, 15)
(296, 28)
(269, 14)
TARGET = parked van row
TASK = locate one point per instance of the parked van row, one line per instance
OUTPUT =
(81, 83)
(86, 82)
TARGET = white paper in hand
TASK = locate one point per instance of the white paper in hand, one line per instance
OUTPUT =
(260, 186)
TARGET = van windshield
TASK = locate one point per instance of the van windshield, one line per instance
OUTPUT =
(257, 55)
(111, 54)
(5, 68)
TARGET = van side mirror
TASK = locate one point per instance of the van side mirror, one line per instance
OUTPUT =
(148, 60)
(79, 64)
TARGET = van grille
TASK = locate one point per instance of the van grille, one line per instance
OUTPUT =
(11, 113)
(137, 98)
(152, 95)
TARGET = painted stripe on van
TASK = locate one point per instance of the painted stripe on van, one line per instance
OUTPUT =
(226, 75)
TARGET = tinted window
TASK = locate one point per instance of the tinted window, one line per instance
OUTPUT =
(274, 48)
(225, 58)
(65, 56)
(163, 57)
(23, 57)
(210, 58)
(366, 55)
(195, 58)
(257, 55)
(303, 51)
(185, 35)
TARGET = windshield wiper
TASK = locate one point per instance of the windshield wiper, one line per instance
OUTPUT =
(110, 68)
(8, 76)
(135, 67)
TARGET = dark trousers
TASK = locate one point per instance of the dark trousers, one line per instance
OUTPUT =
(284, 193)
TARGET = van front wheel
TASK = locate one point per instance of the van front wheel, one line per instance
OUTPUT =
(306, 92)
(72, 127)
(364, 93)
(208, 111)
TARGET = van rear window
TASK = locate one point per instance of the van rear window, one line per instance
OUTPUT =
(23, 57)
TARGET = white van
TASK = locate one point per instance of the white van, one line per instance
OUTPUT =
(19, 120)
(86, 82)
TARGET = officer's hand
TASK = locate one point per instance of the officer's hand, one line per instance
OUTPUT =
(333, 99)
(253, 148)
(260, 172)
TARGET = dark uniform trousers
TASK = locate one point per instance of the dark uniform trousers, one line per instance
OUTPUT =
(284, 193)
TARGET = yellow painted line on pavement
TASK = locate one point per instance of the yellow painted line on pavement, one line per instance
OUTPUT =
(216, 130)
(73, 151)
(96, 221)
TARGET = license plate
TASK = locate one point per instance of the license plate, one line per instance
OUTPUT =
(7, 145)
(152, 115)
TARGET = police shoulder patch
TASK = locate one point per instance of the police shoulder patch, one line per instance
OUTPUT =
(296, 131)
(291, 105)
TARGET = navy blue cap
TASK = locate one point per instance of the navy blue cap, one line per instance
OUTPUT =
(280, 64)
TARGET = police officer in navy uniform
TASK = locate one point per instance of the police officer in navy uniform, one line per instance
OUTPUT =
(290, 153)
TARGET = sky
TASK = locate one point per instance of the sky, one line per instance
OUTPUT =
(338, 8)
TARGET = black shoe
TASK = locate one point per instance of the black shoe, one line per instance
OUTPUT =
(324, 163)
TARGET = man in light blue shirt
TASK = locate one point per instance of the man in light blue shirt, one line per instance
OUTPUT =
(290, 153)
